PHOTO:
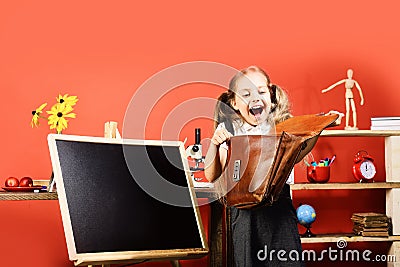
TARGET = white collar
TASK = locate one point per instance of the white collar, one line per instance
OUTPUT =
(242, 127)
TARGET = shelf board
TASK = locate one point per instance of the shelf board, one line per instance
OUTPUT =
(200, 193)
(377, 133)
(333, 238)
(28, 196)
(303, 186)
(210, 192)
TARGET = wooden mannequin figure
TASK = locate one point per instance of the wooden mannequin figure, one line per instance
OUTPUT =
(350, 105)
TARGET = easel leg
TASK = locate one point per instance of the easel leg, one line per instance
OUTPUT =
(175, 263)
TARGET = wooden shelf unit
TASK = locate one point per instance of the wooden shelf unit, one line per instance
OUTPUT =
(392, 187)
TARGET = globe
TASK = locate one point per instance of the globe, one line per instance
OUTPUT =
(306, 215)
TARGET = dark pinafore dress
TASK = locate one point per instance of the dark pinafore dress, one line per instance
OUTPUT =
(258, 234)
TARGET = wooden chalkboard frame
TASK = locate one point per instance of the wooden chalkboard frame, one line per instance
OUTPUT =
(110, 257)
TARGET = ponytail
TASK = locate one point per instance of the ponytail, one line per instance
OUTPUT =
(280, 109)
(224, 112)
(272, 90)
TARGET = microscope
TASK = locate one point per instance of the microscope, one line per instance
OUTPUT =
(195, 152)
(197, 171)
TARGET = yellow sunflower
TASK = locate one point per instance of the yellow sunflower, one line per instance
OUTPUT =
(57, 116)
(36, 114)
(68, 100)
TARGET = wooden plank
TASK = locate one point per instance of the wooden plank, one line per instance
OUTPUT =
(333, 238)
(394, 253)
(126, 257)
(200, 192)
(328, 186)
(28, 196)
(392, 158)
(393, 208)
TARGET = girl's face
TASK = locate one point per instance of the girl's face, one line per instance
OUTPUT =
(252, 98)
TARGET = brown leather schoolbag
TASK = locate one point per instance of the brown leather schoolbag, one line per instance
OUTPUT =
(258, 166)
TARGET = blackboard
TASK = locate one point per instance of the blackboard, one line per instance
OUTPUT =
(105, 208)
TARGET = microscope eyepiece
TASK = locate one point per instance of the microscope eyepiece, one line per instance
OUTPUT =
(197, 136)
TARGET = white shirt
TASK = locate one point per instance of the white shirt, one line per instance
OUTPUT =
(243, 128)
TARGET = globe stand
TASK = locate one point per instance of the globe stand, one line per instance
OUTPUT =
(308, 232)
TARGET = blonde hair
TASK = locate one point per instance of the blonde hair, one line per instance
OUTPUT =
(225, 113)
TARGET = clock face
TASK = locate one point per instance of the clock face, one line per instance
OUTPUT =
(367, 169)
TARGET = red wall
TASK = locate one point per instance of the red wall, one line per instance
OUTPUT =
(103, 51)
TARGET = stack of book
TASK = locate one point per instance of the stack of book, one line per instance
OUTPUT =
(370, 224)
(385, 123)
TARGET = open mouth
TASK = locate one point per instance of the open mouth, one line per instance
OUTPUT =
(257, 110)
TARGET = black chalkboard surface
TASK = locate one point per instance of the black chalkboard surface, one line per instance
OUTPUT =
(109, 208)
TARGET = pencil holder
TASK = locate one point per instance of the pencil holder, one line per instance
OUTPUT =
(318, 174)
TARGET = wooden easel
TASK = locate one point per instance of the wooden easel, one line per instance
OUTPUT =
(111, 131)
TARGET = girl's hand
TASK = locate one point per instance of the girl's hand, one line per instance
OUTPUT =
(339, 119)
(220, 136)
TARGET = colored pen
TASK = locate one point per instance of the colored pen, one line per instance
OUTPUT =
(333, 158)
(306, 162)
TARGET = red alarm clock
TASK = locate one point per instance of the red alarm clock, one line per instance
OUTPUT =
(364, 169)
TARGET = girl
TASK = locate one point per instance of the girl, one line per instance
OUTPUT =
(250, 106)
